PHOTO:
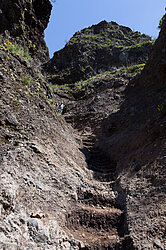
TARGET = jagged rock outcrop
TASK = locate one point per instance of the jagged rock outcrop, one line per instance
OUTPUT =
(102, 47)
(26, 20)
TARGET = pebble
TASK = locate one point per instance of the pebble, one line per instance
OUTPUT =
(158, 244)
(11, 119)
(32, 223)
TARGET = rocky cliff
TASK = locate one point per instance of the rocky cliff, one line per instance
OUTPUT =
(94, 177)
(134, 138)
(102, 47)
(26, 21)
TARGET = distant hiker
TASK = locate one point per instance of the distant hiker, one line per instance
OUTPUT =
(58, 107)
(61, 107)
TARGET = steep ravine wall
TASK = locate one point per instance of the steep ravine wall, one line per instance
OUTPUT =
(41, 167)
(135, 139)
(38, 152)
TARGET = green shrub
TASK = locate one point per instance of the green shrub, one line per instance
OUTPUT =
(136, 68)
(26, 80)
(13, 47)
(161, 107)
(138, 46)
(161, 22)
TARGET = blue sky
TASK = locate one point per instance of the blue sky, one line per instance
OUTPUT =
(70, 16)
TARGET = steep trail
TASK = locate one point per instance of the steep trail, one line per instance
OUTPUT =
(133, 134)
(97, 220)
(103, 169)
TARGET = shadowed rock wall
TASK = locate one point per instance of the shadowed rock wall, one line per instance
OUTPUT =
(26, 20)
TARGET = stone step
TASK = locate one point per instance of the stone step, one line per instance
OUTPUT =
(100, 164)
(99, 157)
(103, 177)
(89, 138)
(69, 120)
(101, 198)
(88, 143)
(96, 152)
(101, 168)
(101, 171)
(89, 147)
(90, 240)
(99, 160)
(102, 219)
(94, 226)
(88, 135)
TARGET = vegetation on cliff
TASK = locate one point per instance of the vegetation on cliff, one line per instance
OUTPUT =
(97, 49)
(161, 22)
(26, 20)
(85, 88)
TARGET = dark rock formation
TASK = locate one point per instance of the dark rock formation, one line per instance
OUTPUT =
(97, 49)
(134, 138)
(26, 20)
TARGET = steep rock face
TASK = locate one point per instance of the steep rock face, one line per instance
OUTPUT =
(135, 139)
(26, 20)
(49, 199)
(38, 155)
(93, 100)
(97, 49)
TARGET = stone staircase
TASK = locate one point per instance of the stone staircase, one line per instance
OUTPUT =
(103, 169)
(95, 227)
(96, 221)
(69, 119)
(88, 141)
